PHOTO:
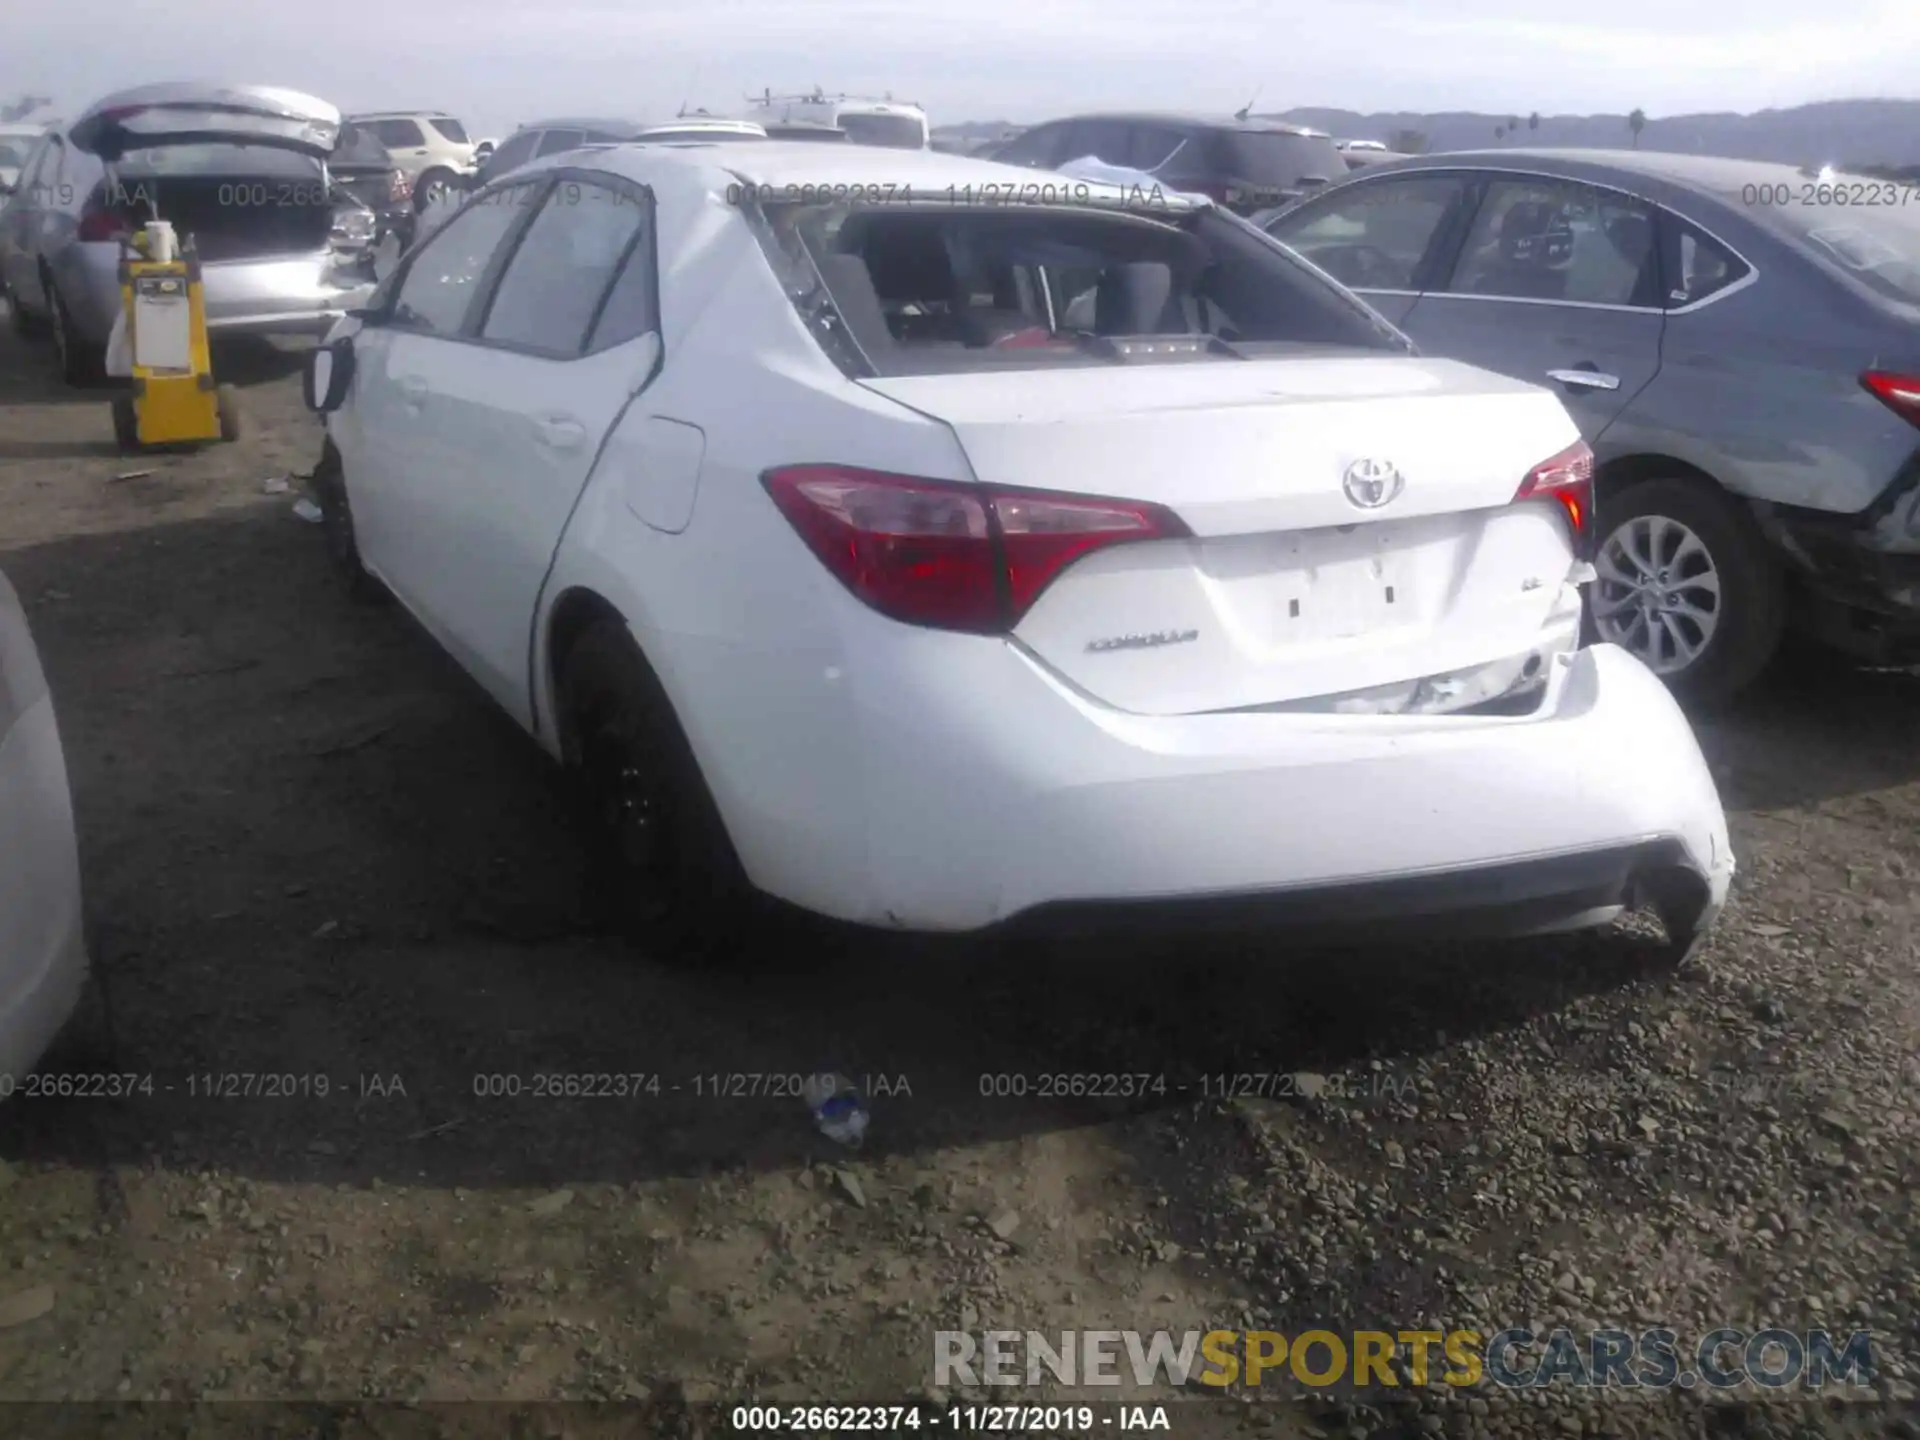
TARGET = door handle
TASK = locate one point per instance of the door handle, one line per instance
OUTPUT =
(1585, 379)
(560, 432)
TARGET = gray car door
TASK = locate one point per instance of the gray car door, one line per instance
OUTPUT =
(1375, 236)
(1556, 282)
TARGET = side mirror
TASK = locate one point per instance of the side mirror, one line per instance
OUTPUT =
(329, 376)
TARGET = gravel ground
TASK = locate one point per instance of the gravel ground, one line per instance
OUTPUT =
(311, 850)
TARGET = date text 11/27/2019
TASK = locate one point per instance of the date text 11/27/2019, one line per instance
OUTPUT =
(994, 193)
(956, 1419)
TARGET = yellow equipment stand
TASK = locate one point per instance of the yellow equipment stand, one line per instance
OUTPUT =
(173, 400)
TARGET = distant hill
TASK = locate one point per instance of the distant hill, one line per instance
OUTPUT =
(1849, 132)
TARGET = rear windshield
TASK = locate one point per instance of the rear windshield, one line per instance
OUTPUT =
(14, 154)
(896, 132)
(449, 129)
(358, 146)
(1277, 158)
(1877, 246)
(905, 289)
(217, 160)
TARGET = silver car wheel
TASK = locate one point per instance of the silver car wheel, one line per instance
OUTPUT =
(1658, 593)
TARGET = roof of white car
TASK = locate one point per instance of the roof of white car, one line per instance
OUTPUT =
(807, 164)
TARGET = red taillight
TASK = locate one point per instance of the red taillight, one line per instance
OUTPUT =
(1899, 393)
(98, 222)
(954, 557)
(399, 187)
(1568, 480)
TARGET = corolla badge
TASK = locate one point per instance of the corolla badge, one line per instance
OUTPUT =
(1372, 483)
(1150, 641)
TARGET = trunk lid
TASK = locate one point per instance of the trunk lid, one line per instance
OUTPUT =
(1293, 585)
(190, 113)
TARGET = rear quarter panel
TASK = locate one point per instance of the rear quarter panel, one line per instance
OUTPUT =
(1761, 389)
(733, 610)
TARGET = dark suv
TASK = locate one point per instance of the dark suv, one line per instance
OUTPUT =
(1246, 165)
(549, 137)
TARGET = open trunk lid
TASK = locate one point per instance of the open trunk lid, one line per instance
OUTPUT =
(1311, 571)
(188, 113)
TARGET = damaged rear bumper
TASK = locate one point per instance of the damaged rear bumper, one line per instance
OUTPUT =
(1861, 573)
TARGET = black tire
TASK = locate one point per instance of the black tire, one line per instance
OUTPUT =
(661, 869)
(82, 365)
(233, 420)
(1751, 609)
(126, 423)
(336, 528)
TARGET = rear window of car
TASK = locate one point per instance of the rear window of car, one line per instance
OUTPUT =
(905, 290)
(896, 132)
(1277, 158)
(264, 161)
(1877, 247)
(13, 154)
(449, 129)
(359, 146)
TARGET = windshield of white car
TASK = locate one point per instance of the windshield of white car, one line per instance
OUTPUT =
(895, 132)
(905, 290)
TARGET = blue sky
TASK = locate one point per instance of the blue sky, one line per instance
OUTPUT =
(495, 62)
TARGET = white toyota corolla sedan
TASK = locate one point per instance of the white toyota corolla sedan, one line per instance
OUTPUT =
(43, 953)
(934, 544)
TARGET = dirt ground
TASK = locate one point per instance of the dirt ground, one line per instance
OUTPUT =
(312, 851)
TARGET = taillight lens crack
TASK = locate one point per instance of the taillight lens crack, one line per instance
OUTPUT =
(946, 555)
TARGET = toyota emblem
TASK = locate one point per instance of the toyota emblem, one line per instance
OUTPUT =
(1372, 483)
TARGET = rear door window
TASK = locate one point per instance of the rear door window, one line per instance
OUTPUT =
(1559, 241)
(551, 291)
(1373, 236)
(1699, 266)
(399, 134)
(554, 141)
(442, 280)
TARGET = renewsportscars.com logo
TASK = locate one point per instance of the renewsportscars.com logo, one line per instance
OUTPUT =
(1514, 1359)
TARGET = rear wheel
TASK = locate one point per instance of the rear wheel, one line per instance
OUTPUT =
(336, 527)
(1689, 585)
(660, 866)
(81, 362)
